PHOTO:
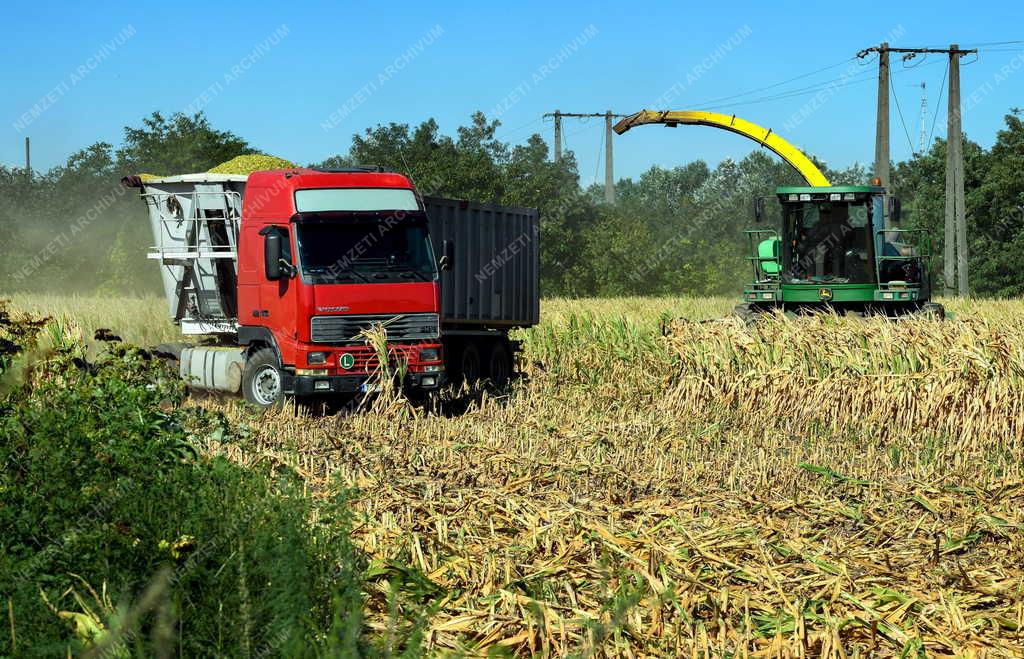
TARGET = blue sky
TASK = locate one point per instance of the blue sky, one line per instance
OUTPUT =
(297, 79)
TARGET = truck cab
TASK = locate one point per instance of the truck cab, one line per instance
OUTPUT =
(839, 247)
(323, 256)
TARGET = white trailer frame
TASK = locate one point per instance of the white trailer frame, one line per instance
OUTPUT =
(195, 220)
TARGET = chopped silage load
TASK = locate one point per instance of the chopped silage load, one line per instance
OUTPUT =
(250, 163)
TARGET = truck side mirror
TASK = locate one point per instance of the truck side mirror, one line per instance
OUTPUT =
(447, 255)
(272, 255)
(759, 210)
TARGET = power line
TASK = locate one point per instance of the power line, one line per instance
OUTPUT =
(899, 111)
(865, 76)
(993, 43)
(795, 92)
(777, 84)
(938, 104)
(512, 131)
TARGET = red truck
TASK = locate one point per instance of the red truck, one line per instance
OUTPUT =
(277, 274)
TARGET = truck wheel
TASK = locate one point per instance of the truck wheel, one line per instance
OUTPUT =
(261, 379)
(499, 364)
(469, 364)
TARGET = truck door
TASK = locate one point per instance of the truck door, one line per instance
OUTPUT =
(277, 297)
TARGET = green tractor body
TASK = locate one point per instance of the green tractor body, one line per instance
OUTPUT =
(837, 249)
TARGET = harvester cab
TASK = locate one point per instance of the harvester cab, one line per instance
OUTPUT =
(840, 247)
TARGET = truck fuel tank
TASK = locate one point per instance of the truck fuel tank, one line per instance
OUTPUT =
(213, 367)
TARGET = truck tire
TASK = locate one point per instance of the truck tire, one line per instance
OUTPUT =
(499, 364)
(470, 368)
(262, 384)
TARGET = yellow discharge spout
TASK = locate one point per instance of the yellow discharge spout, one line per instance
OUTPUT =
(763, 136)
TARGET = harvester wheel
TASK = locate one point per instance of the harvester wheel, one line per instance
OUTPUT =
(933, 311)
(262, 383)
(747, 312)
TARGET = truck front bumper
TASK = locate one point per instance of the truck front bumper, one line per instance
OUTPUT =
(311, 385)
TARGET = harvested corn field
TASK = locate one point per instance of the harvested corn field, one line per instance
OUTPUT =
(638, 495)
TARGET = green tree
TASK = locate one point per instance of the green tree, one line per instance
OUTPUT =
(177, 145)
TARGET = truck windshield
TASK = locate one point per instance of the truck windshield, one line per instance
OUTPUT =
(366, 250)
(830, 242)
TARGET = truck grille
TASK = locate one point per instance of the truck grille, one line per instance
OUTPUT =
(346, 329)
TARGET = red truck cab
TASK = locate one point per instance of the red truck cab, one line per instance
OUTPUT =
(323, 255)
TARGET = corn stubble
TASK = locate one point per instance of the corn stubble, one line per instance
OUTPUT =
(805, 487)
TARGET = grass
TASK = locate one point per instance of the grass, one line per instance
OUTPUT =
(808, 487)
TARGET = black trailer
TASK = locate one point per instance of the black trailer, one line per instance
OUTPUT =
(490, 282)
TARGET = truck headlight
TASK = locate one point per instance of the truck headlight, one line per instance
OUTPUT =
(317, 358)
(430, 355)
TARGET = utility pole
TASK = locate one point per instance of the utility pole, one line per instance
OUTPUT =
(28, 158)
(949, 230)
(882, 118)
(609, 171)
(954, 266)
(558, 136)
(955, 161)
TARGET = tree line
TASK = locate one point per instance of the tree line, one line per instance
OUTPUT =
(671, 231)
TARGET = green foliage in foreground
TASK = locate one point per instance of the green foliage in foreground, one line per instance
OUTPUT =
(114, 528)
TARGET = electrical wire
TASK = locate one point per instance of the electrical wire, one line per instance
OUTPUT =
(835, 83)
(906, 59)
(938, 104)
(992, 43)
(899, 111)
(792, 93)
(777, 84)
(917, 66)
(574, 133)
(512, 131)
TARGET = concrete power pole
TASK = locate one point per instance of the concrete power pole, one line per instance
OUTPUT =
(28, 158)
(609, 171)
(882, 118)
(954, 267)
(955, 188)
(949, 229)
(558, 136)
